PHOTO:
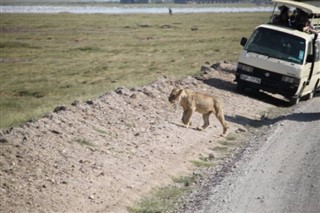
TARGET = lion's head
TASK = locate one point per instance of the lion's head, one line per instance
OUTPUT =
(175, 95)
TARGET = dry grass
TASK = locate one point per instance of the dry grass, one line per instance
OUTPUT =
(54, 59)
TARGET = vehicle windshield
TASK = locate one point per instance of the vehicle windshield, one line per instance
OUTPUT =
(275, 44)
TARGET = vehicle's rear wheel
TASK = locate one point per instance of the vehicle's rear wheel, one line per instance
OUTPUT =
(310, 95)
(294, 100)
(313, 92)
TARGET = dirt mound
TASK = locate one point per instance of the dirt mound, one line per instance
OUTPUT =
(104, 154)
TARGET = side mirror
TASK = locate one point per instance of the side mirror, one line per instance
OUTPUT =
(310, 58)
(243, 41)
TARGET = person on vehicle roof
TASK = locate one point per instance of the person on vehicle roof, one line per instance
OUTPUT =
(283, 18)
(304, 24)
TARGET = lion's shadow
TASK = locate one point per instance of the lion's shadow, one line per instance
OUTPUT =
(183, 126)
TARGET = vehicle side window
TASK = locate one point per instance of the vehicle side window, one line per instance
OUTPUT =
(317, 51)
(310, 49)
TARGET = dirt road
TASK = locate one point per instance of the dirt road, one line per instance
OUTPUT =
(278, 173)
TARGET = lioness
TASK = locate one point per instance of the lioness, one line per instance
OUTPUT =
(192, 101)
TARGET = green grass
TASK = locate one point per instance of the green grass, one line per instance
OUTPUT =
(83, 142)
(162, 200)
(232, 137)
(204, 161)
(48, 60)
(165, 199)
(220, 149)
(101, 131)
(187, 181)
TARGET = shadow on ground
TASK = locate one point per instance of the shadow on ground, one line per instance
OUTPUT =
(231, 87)
(301, 117)
(277, 101)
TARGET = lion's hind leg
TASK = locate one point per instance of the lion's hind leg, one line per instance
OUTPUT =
(220, 116)
(206, 119)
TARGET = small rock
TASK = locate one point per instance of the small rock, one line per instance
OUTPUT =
(206, 69)
(31, 120)
(18, 156)
(91, 197)
(264, 116)
(211, 156)
(91, 149)
(241, 129)
(133, 96)
(75, 103)
(55, 132)
(59, 108)
(48, 115)
(89, 102)
(3, 140)
(120, 90)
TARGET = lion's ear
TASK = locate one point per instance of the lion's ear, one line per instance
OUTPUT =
(180, 91)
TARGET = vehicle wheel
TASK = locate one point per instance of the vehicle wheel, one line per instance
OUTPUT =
(312, 93)
(255, 91)
(240, 87)
(294, 100)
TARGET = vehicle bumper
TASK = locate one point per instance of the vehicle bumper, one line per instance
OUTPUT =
(267, 81)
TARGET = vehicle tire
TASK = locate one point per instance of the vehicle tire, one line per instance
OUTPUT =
(240, 87)
(313, 92)
(255, 91)
(310, 95)
(294, 101)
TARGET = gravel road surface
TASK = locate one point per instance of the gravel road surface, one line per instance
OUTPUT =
(280, 176)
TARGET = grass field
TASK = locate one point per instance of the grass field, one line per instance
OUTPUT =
(53, 59)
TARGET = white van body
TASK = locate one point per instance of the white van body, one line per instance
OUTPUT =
(281, 59)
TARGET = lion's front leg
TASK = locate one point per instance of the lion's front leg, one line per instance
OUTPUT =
(186, 118)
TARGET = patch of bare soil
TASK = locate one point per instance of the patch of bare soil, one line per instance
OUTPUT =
(104, 154)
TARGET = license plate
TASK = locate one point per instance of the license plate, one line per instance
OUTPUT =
(250, 79)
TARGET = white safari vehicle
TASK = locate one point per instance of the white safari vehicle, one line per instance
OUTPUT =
(283, 59)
